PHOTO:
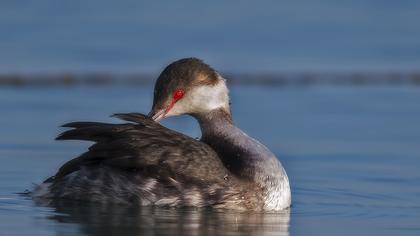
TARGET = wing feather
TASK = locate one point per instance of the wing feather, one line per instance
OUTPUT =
(142, 144)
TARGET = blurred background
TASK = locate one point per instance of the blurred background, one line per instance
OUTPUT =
(236, 37)
(331, 87)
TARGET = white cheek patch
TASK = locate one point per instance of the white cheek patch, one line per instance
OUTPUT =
(203, 99)
(207, 98)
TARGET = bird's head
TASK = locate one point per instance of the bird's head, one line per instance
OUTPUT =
(188, 86)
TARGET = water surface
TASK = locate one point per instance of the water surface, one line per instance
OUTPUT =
(352, 155)
(126, 36)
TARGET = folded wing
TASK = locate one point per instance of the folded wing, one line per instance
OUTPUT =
(143, 145)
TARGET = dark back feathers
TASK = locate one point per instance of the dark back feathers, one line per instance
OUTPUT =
(143, 145)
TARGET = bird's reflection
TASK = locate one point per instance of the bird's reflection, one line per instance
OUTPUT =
(94, 219)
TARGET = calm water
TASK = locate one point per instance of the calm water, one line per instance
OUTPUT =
(352, 155)
(126, 36)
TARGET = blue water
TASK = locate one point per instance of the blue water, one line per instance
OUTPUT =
(352, 155)
(251, 36)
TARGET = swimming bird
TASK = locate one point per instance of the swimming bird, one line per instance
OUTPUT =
(140, 162)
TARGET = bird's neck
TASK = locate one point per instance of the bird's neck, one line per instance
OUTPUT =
(215, 122)
(245, 157)
(241, 154)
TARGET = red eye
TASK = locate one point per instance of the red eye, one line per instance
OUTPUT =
(178, 94)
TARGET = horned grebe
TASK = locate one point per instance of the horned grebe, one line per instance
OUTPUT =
(141, 162)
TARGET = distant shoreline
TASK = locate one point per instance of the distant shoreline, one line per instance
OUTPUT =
(286, 79)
